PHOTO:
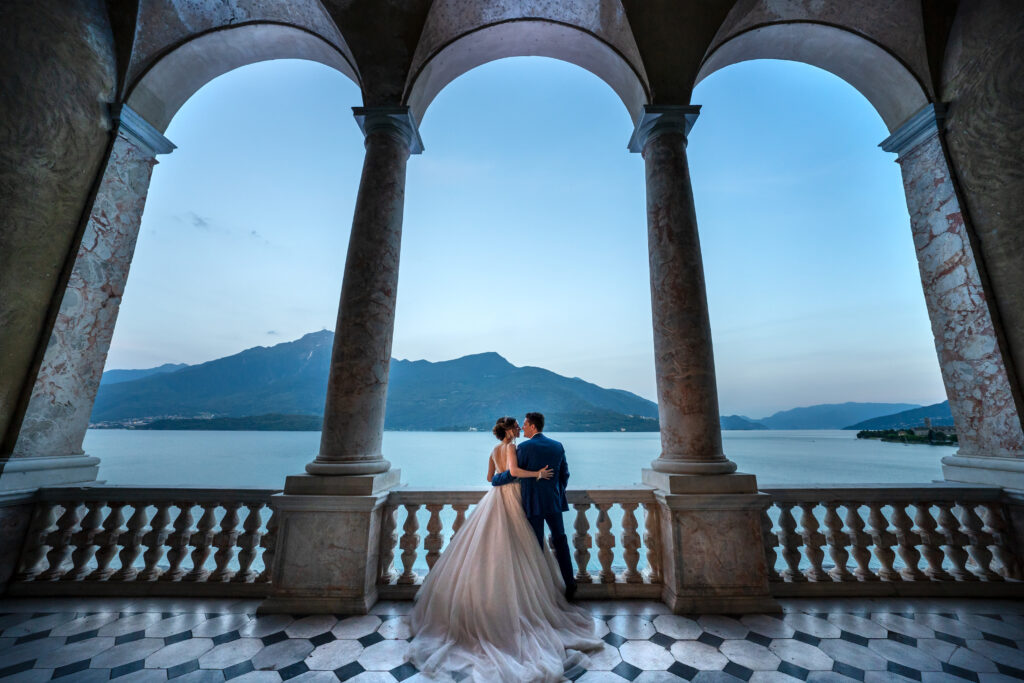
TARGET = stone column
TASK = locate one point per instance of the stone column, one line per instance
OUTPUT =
(49, 446)
(710, 516)
(970, 351)
(330, 517)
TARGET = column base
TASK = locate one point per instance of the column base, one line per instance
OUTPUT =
(317, 605)
(736, 482)
(32, 472)
(714, 604)
(351, 485)
(673, 466)
(976, 469)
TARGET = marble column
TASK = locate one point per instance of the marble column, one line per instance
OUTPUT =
(691, 437)
(709, 515)
(329, 519)
(49, 446)
(970, 352)
(350, 443)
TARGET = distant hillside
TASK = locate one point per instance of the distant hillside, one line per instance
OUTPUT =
(832, 415)
(290, 379)
(939, 414)
(739, 422)
(116, 376)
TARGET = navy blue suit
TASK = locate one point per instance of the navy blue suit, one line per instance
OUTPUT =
(544, 499)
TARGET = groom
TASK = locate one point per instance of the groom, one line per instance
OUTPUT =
(544, 499)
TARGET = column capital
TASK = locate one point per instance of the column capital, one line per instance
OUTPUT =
(397, 121)
(663, 118)
(140, 131)
(928, 121)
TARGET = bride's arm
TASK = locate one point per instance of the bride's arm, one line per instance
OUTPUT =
(513, 467)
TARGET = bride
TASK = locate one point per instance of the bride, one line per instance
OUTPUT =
(492, 607)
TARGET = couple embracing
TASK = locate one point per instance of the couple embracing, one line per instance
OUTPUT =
(495, 606)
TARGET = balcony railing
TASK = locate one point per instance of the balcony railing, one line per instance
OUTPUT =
(889, 540)
(939, 539)
(114, 540)
(612, 558)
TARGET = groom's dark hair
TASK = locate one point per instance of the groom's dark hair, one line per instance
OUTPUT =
(537, 420)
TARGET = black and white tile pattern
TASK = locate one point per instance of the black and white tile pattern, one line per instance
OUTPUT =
(201, 640)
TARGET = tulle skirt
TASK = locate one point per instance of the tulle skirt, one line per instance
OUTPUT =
(493, 606)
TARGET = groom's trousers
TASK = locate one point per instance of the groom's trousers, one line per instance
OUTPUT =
(558, 539)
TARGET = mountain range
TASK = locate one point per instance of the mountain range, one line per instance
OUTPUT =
(284, 387)
(939, 414)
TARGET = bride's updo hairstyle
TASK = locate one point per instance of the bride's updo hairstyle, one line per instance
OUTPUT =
(502, 426)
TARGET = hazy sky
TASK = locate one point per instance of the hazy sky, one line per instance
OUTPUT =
(525, 231)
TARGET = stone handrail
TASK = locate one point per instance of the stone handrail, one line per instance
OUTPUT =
(888, 539)
(617, 572)
(160, 540)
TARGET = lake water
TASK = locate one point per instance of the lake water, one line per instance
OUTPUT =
(458, 459)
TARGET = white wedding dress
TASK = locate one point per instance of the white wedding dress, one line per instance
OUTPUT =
(493, 606)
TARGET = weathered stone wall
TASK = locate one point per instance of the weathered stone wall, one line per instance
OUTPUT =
(58, 75)
(969, 353)
(983, 84)
(69, 377)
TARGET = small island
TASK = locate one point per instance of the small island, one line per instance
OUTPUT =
(925, 434)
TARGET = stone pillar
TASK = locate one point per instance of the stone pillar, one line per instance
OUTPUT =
(970, 351)
(49, 446)
(330, 517)
(710, 516)
(691, 438)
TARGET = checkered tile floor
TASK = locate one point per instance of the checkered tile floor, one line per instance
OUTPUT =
(202, 640)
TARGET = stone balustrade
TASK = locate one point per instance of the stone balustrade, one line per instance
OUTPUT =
(115, 540)
(855, 540)
(613, 557)
(889, 539)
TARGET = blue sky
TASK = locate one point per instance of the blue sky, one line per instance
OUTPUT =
(525, 231)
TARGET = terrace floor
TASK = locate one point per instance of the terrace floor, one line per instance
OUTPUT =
(145, 639)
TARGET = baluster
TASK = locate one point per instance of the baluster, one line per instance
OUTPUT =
(131, 544)
(859, 542)
(907, 539)
(433, 542)
(269, 544)
(813, 541)
(201, 541)
(790, 542)
(107, 540)
(605, 543)
(43, 519)
(225, 541)
(883, 540)
(84, 541)
(388, 541)
(931, 541)
(460, 517)
(154, 541)
(769, 540)
(997, 527)
(59, 541)
(409, 543)
(837, 541)
(248, 542)
(954, 541)
(177, 543)
(979, 540)
(652, 539)
(582, 542)
(630, 543)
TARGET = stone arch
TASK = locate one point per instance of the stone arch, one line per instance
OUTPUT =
(597, 38)
(161, 90)
(890, 87)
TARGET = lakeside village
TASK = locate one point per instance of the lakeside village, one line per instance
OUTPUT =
(937, 435)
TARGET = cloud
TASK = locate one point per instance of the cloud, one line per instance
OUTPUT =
(198, 221)
(272, 332)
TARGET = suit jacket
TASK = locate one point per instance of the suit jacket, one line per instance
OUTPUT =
(540, 496)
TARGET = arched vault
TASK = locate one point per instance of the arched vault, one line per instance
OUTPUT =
(883, 79)
(166, 86)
